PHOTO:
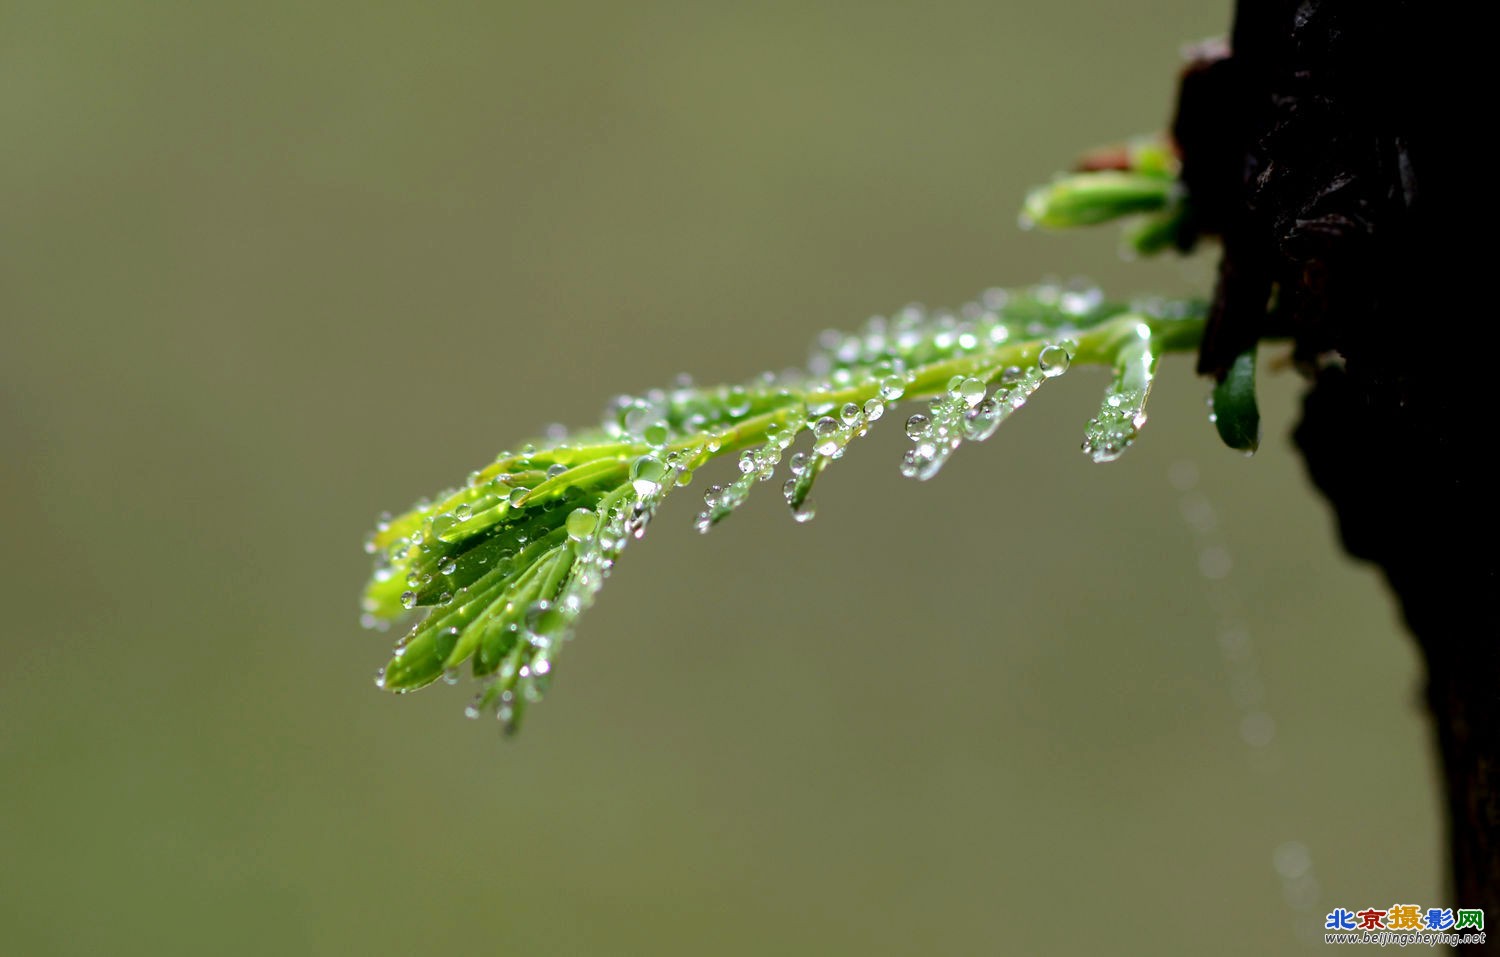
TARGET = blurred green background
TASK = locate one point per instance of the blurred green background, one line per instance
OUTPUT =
(269, 269)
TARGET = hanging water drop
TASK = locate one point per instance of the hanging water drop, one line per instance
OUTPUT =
(909, 464)
(981, 421)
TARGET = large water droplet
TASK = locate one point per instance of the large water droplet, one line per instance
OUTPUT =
(581, 524)
(1053, 361)
(826, 436)
(646, 475)
(970, 390)
(981, 421)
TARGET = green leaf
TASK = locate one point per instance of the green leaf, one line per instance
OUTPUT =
(504, 566)
(1086, 199)
(1235, 414)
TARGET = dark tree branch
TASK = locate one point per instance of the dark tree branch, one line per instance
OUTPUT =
(1332, 150)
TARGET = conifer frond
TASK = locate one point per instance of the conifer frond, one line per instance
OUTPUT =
(502, 567)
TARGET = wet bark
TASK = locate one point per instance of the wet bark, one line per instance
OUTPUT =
(1332, 149)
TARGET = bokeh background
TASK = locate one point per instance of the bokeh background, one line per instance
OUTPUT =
(269, 269)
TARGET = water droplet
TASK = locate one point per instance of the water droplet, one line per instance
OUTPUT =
(981, 421)
(646, 475)
(737, 402)
(1053, 361)
(874, 409)
(518, 495)
(968, 389)
(826, 436)
(581, 524)
(636, 417)
(918, 426)
(909, 464)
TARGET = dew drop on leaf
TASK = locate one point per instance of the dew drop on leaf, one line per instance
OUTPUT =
(581, 524)
(1053, 361)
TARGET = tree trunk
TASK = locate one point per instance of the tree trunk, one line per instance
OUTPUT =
(1332, 150)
